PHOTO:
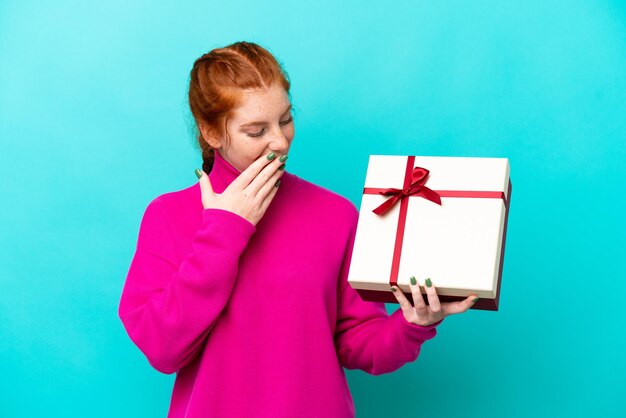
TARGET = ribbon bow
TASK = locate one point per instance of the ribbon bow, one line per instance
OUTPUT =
(415, 188)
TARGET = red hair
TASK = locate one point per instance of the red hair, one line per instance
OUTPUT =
(218, 79)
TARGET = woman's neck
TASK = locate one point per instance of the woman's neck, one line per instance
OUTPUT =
(222, 174)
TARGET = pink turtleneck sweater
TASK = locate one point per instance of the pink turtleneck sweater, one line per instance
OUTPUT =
(258, 321)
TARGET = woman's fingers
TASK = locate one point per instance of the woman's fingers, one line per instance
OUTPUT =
(265, 178)
(249, 174)
(206, 189)
(459, 307)
(433, 299)
(250, 193)
(269, 197)
(270, 186)
(402, 300)
(418, 299)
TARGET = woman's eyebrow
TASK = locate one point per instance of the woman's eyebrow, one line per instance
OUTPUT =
(256, 123)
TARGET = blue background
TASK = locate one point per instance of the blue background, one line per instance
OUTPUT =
(94, 124)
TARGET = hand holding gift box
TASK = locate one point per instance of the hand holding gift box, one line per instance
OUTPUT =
(442, 218)
(422, 314)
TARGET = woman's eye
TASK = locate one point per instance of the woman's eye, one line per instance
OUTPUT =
(255, 134)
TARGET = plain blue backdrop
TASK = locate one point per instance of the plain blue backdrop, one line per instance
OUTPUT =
(94, 124)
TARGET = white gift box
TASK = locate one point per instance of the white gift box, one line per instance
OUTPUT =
(458, 244)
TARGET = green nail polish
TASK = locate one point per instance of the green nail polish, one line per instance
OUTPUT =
(277, 183)
(283, 158)
(198, 173)
(282, 167)
(475, 299)
(271, 156)
(393, 289)
(428, 283)
(413, 281)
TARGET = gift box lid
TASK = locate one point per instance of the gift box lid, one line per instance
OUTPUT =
(446, 173)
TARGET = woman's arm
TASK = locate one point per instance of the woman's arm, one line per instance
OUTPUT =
(169, 308)
(366, 337)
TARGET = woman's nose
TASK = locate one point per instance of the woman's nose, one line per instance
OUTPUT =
(279, 143)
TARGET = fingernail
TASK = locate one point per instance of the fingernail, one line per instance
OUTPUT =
(413, 281)
(393, 288)
(198, 173)
(271, 156)
(283, 158)
(277, 183)
(475, 299)
(428, 283)
(282, 167)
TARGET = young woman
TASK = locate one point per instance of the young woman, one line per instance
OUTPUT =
(239, 282)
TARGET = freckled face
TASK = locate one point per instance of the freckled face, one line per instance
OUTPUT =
(263, 123)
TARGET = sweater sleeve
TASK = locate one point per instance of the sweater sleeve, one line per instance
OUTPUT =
(366, 337)
(168, 308)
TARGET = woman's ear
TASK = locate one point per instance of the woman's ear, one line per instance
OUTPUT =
(209, 136)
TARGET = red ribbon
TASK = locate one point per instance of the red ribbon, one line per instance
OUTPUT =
(414, 188)
(414, 179)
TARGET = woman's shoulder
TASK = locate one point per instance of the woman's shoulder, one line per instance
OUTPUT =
(179, 202)
(318, 197)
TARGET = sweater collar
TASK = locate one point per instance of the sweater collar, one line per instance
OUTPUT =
(222, 174)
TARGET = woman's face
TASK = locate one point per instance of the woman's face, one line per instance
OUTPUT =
(262, 124)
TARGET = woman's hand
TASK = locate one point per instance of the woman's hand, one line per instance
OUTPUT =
(423, 314)
(250, 194)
